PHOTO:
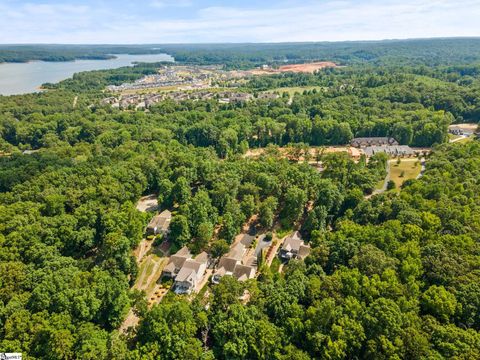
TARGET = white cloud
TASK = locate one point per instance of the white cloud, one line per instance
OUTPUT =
(160, 4)
(293, 21)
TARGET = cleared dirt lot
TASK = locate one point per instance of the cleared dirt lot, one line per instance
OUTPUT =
(147, 203)
(307, 68)
(296, 68)
(467, 127)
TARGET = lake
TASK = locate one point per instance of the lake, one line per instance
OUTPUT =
(22, 78)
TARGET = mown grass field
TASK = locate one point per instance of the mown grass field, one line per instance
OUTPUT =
(407, 169)
(466, 140)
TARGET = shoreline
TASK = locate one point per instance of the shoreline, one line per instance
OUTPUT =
(33, 77)
(112, 56)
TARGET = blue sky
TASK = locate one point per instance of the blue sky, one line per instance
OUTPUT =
(188, 21)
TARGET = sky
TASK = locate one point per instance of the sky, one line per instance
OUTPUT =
(212, 21)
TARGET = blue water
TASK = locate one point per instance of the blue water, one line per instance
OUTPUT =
(22, 78)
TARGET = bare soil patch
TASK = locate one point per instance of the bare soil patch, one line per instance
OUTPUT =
(468, 127)
(296, 68)
(307, 68)
(147, 203)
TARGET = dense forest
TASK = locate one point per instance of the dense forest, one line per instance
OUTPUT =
(430, 52)
(25, 53)
(393, 276)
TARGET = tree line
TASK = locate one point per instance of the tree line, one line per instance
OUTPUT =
(394, 276)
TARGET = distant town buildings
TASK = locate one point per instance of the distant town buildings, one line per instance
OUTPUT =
(193, 76)
(180, 83)
(144, 101)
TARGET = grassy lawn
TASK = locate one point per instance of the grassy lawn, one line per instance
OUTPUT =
(149, 272)
(281, 232)
(275, 265)
(162, 262)
(466, 140)
(146, 268)
(453, 137)
(379, 184)
(407, 169)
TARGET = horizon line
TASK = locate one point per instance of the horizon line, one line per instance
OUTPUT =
(250, 42)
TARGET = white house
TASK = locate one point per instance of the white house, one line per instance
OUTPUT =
(191, 274)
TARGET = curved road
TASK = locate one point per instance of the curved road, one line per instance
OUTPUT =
(387, 178)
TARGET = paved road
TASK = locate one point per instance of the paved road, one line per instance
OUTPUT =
(422, 162)
(385, 183)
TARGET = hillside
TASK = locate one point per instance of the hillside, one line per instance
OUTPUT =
(389, 276)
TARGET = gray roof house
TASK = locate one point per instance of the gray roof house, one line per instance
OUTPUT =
(244, 272)
(191, 274)
(294, 248)
(226, 266)
(390, 150)
(373, 141)
(455, 131)
(232, 263)
(160, 223)
(176, 262)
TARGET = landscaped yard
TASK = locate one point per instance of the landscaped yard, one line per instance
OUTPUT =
(407, 169)
(466, 139)
(453, 137)
(149, 272)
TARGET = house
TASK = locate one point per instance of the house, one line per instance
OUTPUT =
(373, 141)
(232, 263)
(303, 251)
(394, 151)
(160, 223)
(237, 251)
(176, 262)
(455, 131)
(226, 266)
(191, 274)
(294, 247)
(229, 97)
(244, 272)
